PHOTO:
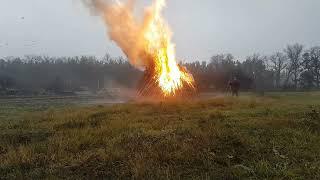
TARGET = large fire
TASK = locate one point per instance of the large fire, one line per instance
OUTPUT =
(147, 44)
(168, 75)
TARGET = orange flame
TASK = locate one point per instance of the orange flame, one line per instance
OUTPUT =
(147, 43)
(157, 35)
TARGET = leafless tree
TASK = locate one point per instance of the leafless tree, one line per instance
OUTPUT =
(278, 62)
(315, 63)
(219, 60)
(255, 67)
(294, 54)
(107, 58)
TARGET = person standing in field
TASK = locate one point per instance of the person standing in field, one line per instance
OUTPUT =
(234, 86)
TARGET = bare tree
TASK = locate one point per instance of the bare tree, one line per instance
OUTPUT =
(255, 67)
(107, 58)
(220, 60)
(294, 54)
(278, 62)
(315, 63)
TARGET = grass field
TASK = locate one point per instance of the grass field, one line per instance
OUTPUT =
(272, 137)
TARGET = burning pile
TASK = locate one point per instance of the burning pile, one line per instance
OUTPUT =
(147, 43)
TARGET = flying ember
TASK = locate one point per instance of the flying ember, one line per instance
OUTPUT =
(147, 43)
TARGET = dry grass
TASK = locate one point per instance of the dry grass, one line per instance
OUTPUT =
(277, 136)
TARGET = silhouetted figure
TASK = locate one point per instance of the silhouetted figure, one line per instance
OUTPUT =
(234, 85)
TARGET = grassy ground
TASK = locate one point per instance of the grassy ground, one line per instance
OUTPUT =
(271, 137)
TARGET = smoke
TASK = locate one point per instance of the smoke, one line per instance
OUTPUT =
(126, 29)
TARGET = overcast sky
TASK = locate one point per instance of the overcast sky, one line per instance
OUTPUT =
(201, 27)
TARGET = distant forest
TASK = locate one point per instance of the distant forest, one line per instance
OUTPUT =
(294, 68)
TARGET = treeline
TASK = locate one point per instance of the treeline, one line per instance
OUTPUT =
(43, 75)
(294, 68)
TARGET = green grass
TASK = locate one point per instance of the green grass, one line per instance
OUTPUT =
(271, 137)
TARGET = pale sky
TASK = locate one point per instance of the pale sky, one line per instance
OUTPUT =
(201, 27)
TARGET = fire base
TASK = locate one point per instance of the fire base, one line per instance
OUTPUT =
(149, 88)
